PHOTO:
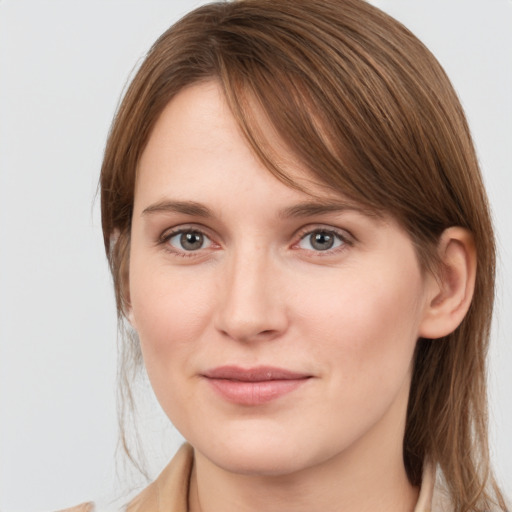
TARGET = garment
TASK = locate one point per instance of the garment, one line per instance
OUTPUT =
(169, 492)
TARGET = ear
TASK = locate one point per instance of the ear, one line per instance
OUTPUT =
(450, 291)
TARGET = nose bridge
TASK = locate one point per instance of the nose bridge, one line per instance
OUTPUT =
(250, 307)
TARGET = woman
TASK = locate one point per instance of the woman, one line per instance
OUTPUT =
(299, 236)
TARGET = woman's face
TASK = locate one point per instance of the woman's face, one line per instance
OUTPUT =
(277, 327)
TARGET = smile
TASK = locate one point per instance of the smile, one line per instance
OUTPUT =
(253, 386)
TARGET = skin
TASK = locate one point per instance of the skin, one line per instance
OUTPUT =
(258, 292)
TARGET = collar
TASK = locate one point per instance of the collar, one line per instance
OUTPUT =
(424, 503)
(169, 492)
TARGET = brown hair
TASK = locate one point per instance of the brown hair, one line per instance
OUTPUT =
(369, 110)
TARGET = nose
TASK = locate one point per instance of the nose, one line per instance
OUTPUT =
(251, 306)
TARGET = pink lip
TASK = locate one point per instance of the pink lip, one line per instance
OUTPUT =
(253, 386)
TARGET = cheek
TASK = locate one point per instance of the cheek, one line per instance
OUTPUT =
(171, 317)
(364, 332)
(170, 311)
(366, 327)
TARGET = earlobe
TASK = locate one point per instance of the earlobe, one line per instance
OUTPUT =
(451, 290)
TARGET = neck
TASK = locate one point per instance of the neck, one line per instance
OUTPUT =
(303, 493)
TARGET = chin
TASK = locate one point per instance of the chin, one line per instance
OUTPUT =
(264, 454)
(257, 461)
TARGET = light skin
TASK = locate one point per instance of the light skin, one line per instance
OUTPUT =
(229, 266)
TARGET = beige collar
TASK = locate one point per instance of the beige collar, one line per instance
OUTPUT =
(169, 492)
(424, 503)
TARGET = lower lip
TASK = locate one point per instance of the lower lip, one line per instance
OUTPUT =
(254, 393)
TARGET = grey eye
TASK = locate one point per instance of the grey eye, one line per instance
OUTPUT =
(189, 241)
(320, 240)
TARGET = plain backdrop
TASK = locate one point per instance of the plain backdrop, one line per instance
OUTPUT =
(63, 66)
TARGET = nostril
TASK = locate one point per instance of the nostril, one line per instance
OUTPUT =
(248, 334)
(267, 334)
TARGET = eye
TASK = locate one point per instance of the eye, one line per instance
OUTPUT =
(321, 240)
(188, 240)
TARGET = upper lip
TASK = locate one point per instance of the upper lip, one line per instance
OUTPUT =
(255, 374)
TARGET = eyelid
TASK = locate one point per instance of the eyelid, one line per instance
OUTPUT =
(345, 236)
(180, 228)
(169, 233)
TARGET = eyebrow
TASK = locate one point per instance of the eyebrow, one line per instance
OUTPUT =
(185, 207)
(301, 210)
(310, 209)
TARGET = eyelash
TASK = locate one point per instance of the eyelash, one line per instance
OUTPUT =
(168, 235)
(345, 239)
(342, 236)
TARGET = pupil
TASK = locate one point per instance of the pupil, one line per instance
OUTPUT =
(191, 241)
(322, 241)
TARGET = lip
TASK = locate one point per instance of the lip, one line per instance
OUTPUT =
(253, 386)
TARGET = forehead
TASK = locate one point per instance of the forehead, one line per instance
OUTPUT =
(197, 145)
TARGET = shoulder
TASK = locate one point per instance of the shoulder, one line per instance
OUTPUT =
(170, 490)
(442, 501)
(84, 507)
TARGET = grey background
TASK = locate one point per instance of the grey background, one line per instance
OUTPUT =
(63, 65)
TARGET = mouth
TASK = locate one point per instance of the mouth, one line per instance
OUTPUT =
(253, 386)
